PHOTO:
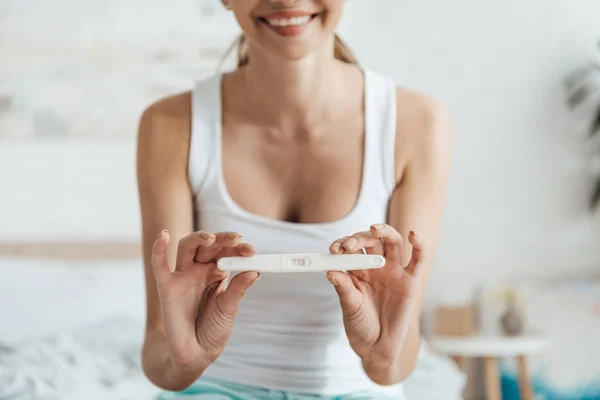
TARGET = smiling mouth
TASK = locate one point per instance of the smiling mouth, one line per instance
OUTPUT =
(283, 22)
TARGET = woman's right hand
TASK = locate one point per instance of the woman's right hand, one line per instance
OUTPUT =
(198, 306)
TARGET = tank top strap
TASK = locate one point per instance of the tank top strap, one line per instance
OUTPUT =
(205, 111)
(381, 112)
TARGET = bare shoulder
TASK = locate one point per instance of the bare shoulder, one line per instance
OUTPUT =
(423, 130)
(421, 119)
(167, 117)
(164, 134)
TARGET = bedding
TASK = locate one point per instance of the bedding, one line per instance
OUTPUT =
(71, 329)
(98, 362)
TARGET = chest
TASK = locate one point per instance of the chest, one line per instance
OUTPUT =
(307, 177)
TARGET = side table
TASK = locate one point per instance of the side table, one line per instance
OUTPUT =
(490, 349)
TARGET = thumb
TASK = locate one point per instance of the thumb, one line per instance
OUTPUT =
(350, 296)
(229, 300)
(159, 259)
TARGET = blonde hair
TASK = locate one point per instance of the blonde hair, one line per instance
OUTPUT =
(341, 51)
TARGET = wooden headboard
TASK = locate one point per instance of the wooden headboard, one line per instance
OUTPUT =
(71, 250)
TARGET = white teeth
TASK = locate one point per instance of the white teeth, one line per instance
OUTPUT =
(288, 21)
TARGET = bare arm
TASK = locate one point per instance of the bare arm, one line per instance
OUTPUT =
(417, 205)
(166, 203)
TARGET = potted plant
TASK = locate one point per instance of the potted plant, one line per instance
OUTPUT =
(583, 90)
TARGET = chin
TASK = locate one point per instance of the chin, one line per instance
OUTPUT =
(295, 53)
(295, 50)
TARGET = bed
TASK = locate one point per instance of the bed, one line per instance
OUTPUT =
(71, 322)
(71, 327)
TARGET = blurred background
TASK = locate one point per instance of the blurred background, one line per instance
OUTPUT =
(521, 233)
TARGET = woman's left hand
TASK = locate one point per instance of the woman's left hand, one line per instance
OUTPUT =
(377, 304)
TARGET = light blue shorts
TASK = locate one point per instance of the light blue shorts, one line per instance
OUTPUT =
(214, 389)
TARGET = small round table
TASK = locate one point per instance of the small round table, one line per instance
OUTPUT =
(490, 348)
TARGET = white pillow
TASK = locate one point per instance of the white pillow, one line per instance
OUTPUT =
(43, 296)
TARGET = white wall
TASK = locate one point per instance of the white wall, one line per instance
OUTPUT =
(519, 186)
(68, 190)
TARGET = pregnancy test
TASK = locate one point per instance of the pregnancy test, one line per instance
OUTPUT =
(283, 263)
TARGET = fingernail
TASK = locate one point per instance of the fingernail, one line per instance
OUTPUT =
(161, 233)
(332, 280)
(232, 235)
(336, 246)
(378, 227)
(206, 235)
(351, 243)
(255, 279)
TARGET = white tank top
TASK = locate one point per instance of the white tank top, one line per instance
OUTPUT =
(288, 334)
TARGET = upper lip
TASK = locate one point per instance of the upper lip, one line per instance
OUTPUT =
(289, 14)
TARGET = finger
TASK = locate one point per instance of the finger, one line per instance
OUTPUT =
(228, 239)
(206, 254)
(187, 247)
(350, 296)
(229, 300)
(222, 239)
(393, 242)
(241, 250)
(216, 253)
(415, 265)
(159, 258)
(336, 247)
(360, 240)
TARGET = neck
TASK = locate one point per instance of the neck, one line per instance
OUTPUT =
(292, 93)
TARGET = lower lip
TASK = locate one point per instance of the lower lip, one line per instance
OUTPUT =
(292, 30)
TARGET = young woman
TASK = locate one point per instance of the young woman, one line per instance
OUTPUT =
(299, 150)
